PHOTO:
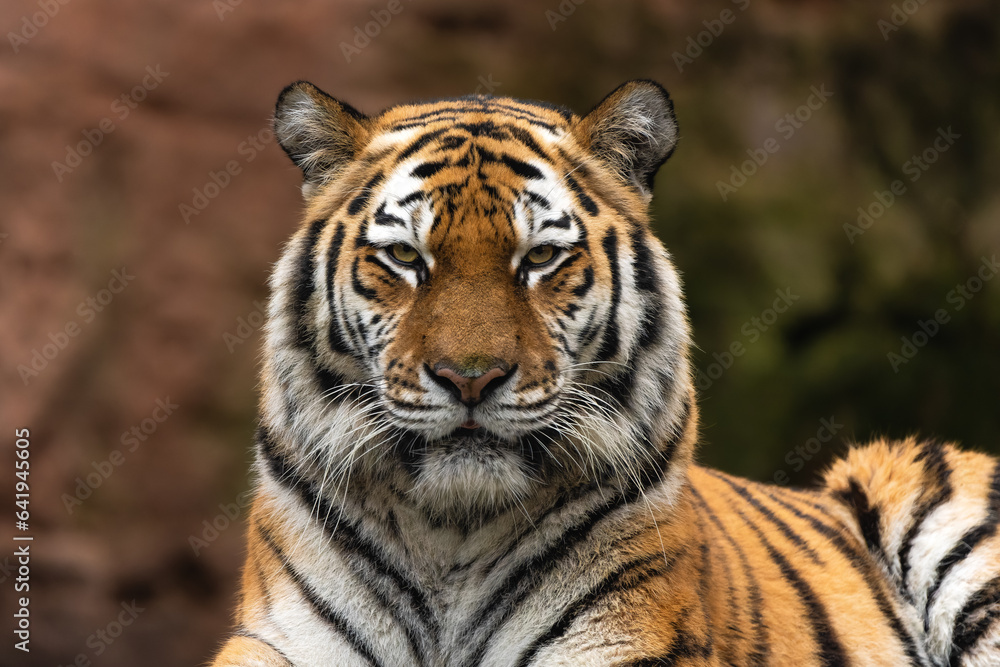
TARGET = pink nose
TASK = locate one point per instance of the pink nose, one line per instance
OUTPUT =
(469, 390)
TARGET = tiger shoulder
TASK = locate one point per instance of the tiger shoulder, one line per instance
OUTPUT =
(478, 426)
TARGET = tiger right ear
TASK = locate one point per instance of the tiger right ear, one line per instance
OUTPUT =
(319, 133)
(633, 130)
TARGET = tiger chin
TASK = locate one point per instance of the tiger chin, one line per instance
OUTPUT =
(478, 425)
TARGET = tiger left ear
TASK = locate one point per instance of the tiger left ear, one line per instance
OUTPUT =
(634, 130)
(319, 133)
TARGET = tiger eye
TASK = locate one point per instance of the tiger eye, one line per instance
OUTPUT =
(541, 254)
(403, 253)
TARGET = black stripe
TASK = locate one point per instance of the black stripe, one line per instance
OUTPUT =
(759, 655)
(318, 604)
(619, 386)
(330, 381)
(519, 167)
(537, 199)
(978, 615)
(417, 144)
(356, 283)
(452, 141)
(586, 202)
(936, 470)
(611, 583)
(683, 648)
(361, 200)
(646, 277)
(419, 195)
(569, 261)
(778, 523)
(305, 285)
(651, 328)
(530, 107)
(428, 169)
(865, 567)
(707, 647)
(473, 105)
(969, 541)
(337, 341)
(569, 311)
(265, 589)
(373, 259)
(582, 240)
(869, 518)
(609, 345)
(362, 329)
(522, 135)
(588, 282)
(353, 333)
(493, 130)
(345, 533)
(559, 223)
(361, 238)
(387, 219)
(831, 651)
(460, 113)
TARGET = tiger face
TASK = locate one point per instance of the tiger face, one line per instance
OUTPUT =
(476, 300)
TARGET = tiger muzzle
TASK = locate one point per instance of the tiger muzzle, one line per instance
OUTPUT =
(468, 384)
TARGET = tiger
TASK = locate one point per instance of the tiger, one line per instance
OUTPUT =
(477, 432)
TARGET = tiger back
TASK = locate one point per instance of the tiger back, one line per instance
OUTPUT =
(478, 426)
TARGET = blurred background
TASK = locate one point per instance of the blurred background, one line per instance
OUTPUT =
(833, 206)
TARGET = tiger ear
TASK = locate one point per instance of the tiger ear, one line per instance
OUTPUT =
(320, 134)
(633, 130)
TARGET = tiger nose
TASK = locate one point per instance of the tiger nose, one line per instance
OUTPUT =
(470, 386)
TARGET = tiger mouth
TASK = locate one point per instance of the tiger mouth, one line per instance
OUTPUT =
(478, 441)
(471, 434)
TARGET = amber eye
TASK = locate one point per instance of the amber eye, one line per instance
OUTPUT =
(541, 254)
(404, 254)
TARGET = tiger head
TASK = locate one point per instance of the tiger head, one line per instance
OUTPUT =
(475, 310)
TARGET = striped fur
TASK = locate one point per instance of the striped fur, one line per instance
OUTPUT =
(560, 520)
